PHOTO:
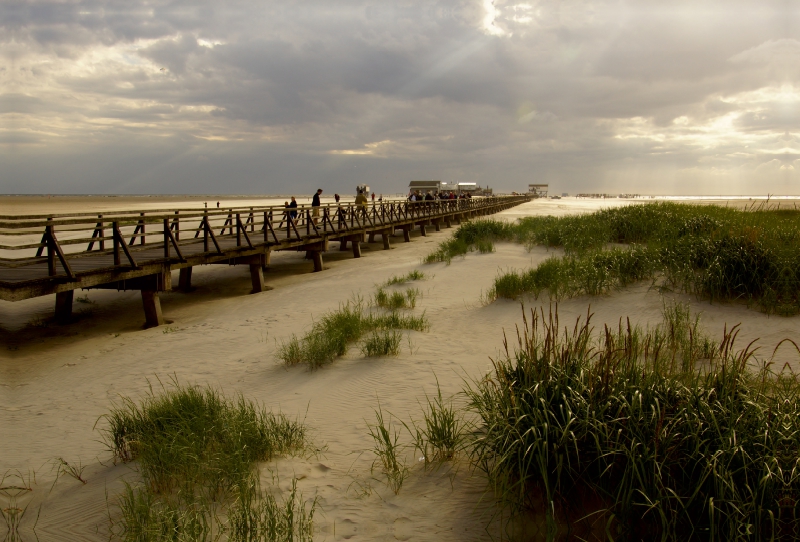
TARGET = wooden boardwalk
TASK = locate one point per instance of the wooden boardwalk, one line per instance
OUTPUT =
(137, 250)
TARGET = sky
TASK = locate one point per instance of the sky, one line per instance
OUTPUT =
(277, 97)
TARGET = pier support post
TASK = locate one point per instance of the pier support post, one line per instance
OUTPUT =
(436, 226)
(316, 255)
(371, 237)
(257, 277)
(64, 306)
(152, 308)
(406, 235)
(422, 230)
(356, 248)
(385, 236)
(447, 222)
(185, 279)
(343, 244)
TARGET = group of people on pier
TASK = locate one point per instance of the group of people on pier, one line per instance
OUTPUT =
(362, 200)
(415, 195)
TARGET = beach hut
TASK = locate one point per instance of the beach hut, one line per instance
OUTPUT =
(363, 187)
(425, 186)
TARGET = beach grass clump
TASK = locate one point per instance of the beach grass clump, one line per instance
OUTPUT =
(260, 515)
(196, 451)
(145, 516)
(616, 431)
(595, 273)
(332, 335)
(473, 235)
(442, 433)
(711, 251)
(408, 277)
(379, 343)
(388, 451)
(395, 300)
(195, 439)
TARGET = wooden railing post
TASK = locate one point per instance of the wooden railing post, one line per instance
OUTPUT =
(177, 222)
(166, 238)
(51, 252)
(205, 231)
(238, 230)
(102, 232)
(143, 228)
(117, 260)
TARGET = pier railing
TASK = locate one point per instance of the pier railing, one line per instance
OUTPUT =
(36, 247)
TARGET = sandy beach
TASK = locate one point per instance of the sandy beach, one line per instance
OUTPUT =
(56, 382)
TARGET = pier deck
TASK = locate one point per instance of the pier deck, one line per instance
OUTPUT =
(137, 250)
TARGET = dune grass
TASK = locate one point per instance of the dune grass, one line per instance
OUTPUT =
(715, 252)
(406, 299)
(385, 342)
(402, 279)
(388, 451)
(442, 433)
(196, 451)
(258, 515)
(475, 234)
(654, 434)
(332, 335)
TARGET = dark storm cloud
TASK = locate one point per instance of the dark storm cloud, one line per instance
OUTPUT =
(578, 93)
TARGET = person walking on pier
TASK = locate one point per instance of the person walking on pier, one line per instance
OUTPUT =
(361, 199)
(292, 212)
(315, 205)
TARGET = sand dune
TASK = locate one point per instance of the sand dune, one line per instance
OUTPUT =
(58, 381)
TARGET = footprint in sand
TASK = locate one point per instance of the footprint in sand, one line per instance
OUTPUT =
(346, 529)
(402, 528)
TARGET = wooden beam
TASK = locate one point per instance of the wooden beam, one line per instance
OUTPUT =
(257, 278)
(152, 309)
(120, 243)
(174, 241)
(64, 306)
(185, 279)
(316, 255)
(210, 232)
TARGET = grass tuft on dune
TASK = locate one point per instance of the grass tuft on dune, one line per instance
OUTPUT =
(332, 335)
(656, 434)
(196, 451)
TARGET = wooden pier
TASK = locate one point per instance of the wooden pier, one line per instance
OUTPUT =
(138, 250)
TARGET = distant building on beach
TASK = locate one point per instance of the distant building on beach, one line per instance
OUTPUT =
(538, 190)
(439, 186)
(424, 186)
(363, 187)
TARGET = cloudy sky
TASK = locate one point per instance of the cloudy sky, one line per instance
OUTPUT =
(268, 96)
